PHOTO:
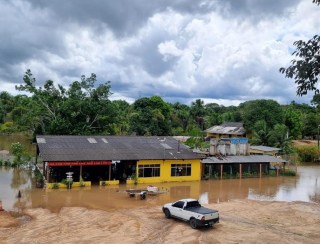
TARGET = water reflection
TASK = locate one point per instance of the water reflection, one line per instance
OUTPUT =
(304, 187)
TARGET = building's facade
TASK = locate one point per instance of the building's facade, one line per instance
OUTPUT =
(117, 159)
(234, 157)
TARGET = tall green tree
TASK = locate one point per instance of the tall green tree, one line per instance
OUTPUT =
(6, 105)
(150, 116)
(197, 111)
(316, 100)
(122, 111)
(82, 109)
(293, 121)
(305, 68)
(279, 137)
(180, 118)
(268, 110)
(261, 133)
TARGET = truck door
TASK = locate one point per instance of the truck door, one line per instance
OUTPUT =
(177, 209)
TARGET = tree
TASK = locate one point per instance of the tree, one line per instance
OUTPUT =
(293, 121)
(305, 70)
(316, 100)
(197, 111)
(19, 154)
(279, 138)
(180, 117)
(261, 133)
(121, 122)
(82, 109)
(150, 116)
(268, 110)
(6, 105)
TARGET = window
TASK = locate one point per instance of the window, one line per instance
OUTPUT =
(149, 170)
(180, 169)
(178, 204)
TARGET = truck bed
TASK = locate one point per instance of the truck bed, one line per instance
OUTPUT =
(201, 210)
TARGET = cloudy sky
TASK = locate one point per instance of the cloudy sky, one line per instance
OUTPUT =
(222, 51)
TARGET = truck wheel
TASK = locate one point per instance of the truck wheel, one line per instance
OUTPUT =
(193, 223)
(167, 213)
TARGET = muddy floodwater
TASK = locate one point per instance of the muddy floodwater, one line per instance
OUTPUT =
(304, 187)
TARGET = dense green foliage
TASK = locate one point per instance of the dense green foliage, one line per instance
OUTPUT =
(85, 108)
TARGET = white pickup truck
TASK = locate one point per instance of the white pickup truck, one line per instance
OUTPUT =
(190, 210)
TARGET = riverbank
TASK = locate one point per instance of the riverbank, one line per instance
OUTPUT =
(241, 221)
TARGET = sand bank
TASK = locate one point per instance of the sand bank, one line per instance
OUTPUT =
(242, 221)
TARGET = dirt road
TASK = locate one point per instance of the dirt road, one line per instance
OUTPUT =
(241, 221)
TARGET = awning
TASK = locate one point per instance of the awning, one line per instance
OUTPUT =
(243, 159)
(79, 163)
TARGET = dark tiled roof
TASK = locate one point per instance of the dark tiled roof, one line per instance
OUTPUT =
(84, 148)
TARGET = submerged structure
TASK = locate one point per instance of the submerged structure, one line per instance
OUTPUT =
(235, 158)
(116, 159)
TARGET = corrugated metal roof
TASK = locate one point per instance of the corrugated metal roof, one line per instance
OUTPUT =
(231, 128)
(79, 148)
(264, 148)
(243, 159)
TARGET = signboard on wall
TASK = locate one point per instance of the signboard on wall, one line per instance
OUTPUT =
(79, 163)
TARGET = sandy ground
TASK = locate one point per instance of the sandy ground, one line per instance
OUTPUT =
(241, 221)
(305, 142)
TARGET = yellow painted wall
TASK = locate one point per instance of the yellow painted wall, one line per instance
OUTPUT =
(74, 184)
(109, 182)
(165, 171)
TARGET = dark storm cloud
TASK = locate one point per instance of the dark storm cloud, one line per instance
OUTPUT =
(123, 17)
(255, 9)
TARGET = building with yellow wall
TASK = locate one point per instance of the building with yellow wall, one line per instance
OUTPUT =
(117, 159)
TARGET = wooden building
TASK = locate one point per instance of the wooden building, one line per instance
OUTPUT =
(117, 159)
(240, 166)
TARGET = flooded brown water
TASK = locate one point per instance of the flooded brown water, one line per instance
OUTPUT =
(304, 187)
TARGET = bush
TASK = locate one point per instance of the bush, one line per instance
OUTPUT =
(20, 155)
(55, 185)
(82, 184)
(38, 176)
(307, 153)
(7, 163)
(288, 172)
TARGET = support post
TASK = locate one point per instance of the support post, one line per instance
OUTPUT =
(240, 171)
(260, 170)
(109, 172)
(80, 176)
(48, 174)
(221, 171)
